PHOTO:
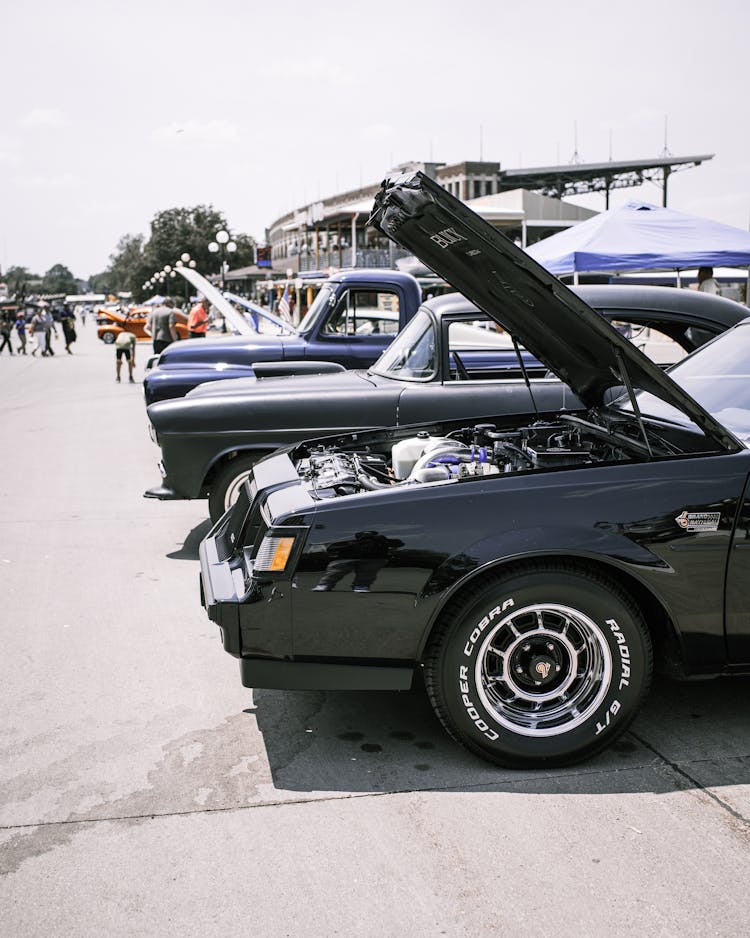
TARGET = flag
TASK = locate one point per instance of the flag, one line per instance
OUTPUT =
(284, 310)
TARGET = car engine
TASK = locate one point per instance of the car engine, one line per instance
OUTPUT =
(471, 452)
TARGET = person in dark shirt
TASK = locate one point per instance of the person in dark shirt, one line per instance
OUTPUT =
(20, 327)
(5, 329)
(68, 323)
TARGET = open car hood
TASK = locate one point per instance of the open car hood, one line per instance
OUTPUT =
(554, 324)
(257, 311)
(118, 318)
(236, 321)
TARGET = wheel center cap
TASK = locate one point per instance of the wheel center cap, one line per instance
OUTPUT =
(542, 669)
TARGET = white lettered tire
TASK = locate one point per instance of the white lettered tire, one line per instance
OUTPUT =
(228, 483)
(545, 666)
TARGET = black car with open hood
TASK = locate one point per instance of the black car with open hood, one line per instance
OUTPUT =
(534, 568)
(549, 319)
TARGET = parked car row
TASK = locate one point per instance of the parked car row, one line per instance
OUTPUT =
(443, 364)
(544, 517)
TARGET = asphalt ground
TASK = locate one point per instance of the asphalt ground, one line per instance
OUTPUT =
(143, 791)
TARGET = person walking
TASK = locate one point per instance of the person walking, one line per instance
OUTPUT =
(198, 319)
(160, 325)
(48, 325)
(5, 330)
(37, 332)
(125, 348)
(20, 327)
(68, 323)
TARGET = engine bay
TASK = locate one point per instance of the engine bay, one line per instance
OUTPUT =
(468, 453)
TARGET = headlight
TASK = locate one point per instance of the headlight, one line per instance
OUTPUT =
(276, 550)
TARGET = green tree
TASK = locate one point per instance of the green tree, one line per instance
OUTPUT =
(245, 255)
(21, 280)
(179, 230)
(100, 283)
(174, 232)
(127, 265)
(59, 279)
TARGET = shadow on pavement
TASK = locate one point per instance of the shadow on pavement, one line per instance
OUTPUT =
(189, 549)
(687, 736)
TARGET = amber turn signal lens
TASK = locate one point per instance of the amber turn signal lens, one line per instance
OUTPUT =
(282, 549)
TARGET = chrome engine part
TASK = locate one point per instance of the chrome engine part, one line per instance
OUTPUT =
(471, 452)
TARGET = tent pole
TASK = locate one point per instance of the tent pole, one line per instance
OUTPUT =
(575, 277)
(679, 278)
(665, 174)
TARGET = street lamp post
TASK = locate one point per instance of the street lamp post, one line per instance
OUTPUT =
(186, 261)
(224, 245)
(159, 279)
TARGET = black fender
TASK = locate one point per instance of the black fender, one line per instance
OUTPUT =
(222, 459)
(626, 562)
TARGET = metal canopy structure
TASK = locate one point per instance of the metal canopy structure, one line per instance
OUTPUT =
(578, 178)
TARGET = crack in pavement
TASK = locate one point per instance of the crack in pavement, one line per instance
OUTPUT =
(344, 796)
(676, 767)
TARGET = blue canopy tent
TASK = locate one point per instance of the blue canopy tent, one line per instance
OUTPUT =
(640, 236)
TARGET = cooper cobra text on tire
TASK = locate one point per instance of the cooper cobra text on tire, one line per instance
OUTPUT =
(545, 666)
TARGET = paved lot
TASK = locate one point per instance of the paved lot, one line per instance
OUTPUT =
(143, 791)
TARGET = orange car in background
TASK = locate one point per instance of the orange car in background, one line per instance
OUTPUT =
(133, 321)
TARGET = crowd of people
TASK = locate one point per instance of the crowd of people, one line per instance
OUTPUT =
(31, 329)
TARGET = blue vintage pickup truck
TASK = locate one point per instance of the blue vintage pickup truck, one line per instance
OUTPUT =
(354, 317)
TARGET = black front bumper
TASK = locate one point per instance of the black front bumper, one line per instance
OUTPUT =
(218, 590)
(255, 619)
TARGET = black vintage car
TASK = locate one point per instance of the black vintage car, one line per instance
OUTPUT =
(449, 361)
(535, 568)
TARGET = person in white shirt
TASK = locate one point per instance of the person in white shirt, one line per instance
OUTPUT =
(706, 282)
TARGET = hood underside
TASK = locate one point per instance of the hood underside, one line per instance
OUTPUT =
(558, 327)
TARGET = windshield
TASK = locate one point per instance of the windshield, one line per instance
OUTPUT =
(319, 303)
(413, 353)
(718, 377)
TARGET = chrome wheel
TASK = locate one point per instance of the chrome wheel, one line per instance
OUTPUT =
(225, 488)
(543, 670)
(233, 489)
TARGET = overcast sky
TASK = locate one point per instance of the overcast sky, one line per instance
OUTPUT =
(114, 111)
